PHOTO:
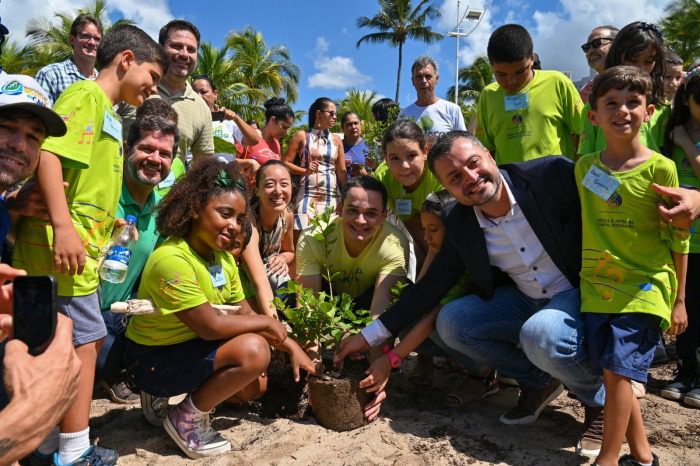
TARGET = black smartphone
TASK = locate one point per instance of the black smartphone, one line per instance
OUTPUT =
(34, 307)
(217, 116)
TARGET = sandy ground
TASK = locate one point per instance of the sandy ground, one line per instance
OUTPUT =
(416, 428)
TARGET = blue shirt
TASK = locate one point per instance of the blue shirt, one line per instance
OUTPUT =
(356, 153)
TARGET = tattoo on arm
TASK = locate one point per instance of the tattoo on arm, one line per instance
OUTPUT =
(6, 445)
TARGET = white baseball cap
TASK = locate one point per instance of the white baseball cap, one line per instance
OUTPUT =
(23, 92)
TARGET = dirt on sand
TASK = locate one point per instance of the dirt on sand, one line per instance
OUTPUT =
(415, 428)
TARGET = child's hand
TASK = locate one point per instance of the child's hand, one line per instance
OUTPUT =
(378, 375)
(300, 360)
(679, 319)
(274, 332)
(68, 250)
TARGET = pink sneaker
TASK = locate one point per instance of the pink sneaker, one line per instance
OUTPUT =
(192, 432)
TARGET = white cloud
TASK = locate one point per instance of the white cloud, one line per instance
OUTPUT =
(557, 33)
(149, 16)
(336, 72)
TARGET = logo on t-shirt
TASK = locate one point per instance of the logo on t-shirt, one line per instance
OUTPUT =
(615, 200)
(517, 119)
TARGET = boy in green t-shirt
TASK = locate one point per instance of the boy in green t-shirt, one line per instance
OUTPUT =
(526, 113)
(89, 158)
(634, 265)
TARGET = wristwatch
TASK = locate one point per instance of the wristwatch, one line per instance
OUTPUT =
(394, 359)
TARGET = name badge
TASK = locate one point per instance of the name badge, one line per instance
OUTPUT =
(167, 182)
(403, 206)
(112, 126)
(515, 102)
(600, 183)
(216, 272)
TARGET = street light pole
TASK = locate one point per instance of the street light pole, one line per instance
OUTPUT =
(471, 15)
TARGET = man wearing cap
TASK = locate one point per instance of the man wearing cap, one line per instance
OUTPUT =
(42, 387)
(85, 36)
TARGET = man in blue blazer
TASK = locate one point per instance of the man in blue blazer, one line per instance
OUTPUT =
(517, 231)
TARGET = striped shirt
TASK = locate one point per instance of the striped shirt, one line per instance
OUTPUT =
(56, 77)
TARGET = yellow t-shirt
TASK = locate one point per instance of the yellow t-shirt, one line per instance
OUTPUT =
(535, 122)
(384, 255)
(627, 265)
(404, 204)
(91, 157)
(176, 279)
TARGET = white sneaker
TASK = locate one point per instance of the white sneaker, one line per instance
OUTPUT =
(192, 432)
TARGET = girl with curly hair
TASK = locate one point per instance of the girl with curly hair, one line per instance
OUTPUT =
(188, 346)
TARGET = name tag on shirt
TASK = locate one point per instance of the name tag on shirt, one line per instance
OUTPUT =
(515, 102)
(167, 182)
(600, 183)
(403, 206)
(112, 126)
(216, 272)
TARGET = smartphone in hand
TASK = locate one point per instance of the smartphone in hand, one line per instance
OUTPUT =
(34, 304)
(218, 116)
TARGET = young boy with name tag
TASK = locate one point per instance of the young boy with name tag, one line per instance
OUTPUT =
(89, 158)
(633, 264)
(526, 113)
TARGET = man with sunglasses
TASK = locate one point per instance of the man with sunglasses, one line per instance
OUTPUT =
(596, 49)
(85, 36)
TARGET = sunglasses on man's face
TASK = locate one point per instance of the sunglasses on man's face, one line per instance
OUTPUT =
(595, 43)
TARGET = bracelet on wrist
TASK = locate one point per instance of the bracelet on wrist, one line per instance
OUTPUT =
(394, 359)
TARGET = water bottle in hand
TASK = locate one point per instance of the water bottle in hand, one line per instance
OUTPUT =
(116, 261)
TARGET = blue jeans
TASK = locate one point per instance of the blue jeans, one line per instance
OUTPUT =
(528, 339)
(554, 340)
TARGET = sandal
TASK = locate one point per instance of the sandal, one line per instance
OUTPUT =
(472, 389)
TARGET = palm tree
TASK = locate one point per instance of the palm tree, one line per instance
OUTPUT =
(682, 29)
(397, 21)
(50, 38)
(472, 80)
(359, 102)
(258, 72)
(16, 59)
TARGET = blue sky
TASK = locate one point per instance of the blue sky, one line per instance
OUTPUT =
(321, 34)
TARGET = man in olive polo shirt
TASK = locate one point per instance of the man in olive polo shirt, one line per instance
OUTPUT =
(150, 147)
(180, 40)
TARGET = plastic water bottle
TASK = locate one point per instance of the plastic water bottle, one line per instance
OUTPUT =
(116, 261)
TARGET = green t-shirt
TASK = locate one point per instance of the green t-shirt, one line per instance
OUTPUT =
(91, 157)
(651, 133)
(403, 204)
(687, 177)
(627, 261)
(142, 249)
(384, 255)
(177, 279)
(537, 121)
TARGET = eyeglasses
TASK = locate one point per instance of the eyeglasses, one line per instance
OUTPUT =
(596, 43)
(330, 112)
(85, 36)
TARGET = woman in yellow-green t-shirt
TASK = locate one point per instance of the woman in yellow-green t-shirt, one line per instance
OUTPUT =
(187, 346)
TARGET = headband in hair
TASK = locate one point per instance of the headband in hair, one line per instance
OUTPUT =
(651, 27)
